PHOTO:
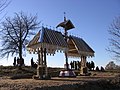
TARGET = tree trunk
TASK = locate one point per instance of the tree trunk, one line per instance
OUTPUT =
(20, 50)
(20, 58)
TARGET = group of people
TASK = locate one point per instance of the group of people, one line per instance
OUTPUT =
(18, 62)
(75, 65)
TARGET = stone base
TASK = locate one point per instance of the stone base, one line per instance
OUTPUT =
(85, 74)
(41, 77)
(67, 73)
(84, 71)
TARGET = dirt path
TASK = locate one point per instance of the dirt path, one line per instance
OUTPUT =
(56, 83)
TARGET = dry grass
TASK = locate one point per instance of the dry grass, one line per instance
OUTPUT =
(6, 83)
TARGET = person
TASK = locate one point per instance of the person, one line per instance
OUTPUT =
(75, 65)
(79, 65)
(22, 62)
(71, 64)
(32, 63)
(14, 61)
(18, 61)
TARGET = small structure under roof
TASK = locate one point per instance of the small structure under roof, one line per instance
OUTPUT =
(67, 24)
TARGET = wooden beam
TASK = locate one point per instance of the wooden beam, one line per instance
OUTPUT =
(71, 49)
(41, 56)
(45, 63)
(38, 57)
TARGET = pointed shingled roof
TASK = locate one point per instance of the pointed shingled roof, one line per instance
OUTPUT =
(54, 38)
(49, 39)
(34, 40)
(78, 47)
(66, 24)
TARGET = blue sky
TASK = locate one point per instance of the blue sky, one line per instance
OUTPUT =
(91, 18)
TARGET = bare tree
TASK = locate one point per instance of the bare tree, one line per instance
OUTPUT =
(15, 33)
(3, 5)
(114, 41)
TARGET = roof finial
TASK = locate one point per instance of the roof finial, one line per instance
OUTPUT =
(64, 16)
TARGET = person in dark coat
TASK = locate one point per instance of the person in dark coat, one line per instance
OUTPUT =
(14, 64)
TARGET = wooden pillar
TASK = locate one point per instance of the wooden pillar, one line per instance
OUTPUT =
(38, 70)
(83, 69)
(66, 59)
(45, 57)
(45, 63)
(41, 61)
(40, 64)
(38, 57)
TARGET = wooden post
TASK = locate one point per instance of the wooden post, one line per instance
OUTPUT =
(66, 34)
(83, 69)
(45, 56)
(66, 57)
(41, 61)
(45, 62)
(40, 64)
(38, 69)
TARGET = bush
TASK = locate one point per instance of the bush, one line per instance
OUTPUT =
(22, 76)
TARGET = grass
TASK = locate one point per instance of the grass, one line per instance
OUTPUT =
(28, 72)
(25, 72)
(14, 72)
(92, 82)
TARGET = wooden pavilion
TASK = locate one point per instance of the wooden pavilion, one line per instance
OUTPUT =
(48, 41)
